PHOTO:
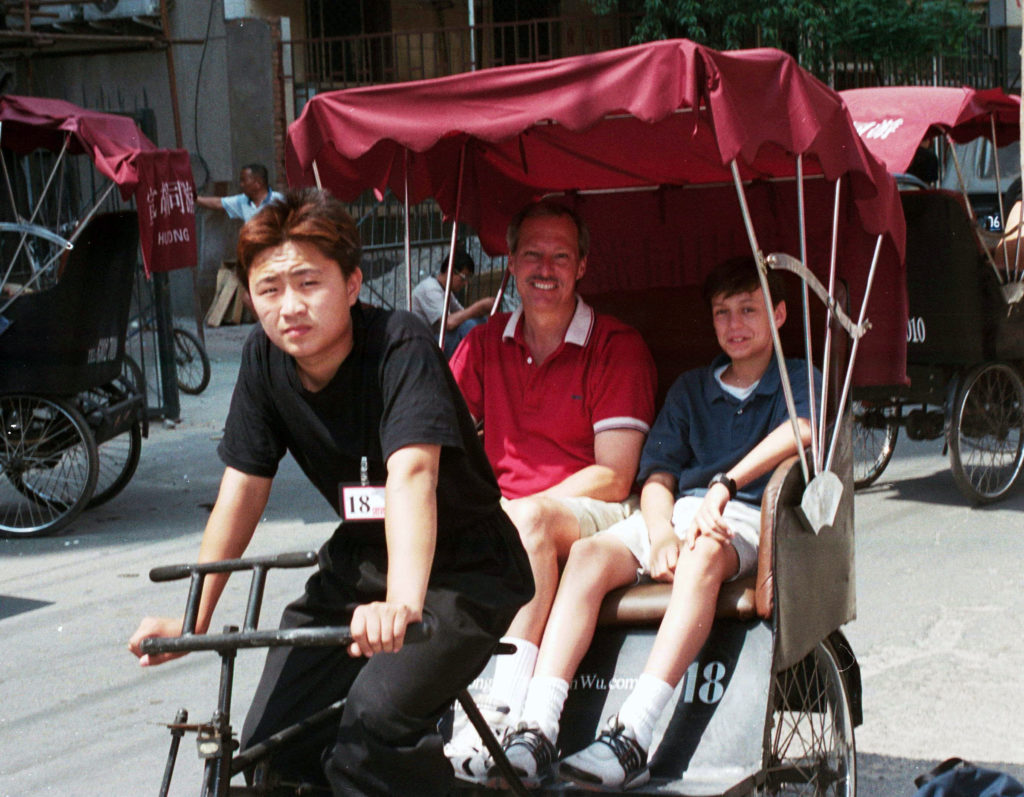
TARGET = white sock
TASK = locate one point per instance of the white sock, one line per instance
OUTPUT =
(643, 707)
(512, 673)
(544, 701)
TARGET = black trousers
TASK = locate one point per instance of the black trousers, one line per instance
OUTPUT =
(387, 742)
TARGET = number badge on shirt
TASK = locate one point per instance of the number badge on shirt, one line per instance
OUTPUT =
(362, 502)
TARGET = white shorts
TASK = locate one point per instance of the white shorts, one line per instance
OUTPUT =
(594, 515)
(743, 519)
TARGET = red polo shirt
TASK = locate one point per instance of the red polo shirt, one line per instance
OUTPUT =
(540, 421)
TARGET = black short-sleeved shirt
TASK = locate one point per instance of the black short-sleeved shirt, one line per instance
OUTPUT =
(393, 390)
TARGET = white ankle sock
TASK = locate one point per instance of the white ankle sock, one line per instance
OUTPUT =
(512, 673)
(544, 701)
(643, 707)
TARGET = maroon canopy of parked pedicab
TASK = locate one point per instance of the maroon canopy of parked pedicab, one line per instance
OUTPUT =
(159, 179)
(894, 120)
(641, 140)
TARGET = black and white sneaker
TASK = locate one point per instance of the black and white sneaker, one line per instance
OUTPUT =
(613, 761)
(466, 750)
(531, 755)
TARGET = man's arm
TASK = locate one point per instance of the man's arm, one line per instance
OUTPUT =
(480, 307)
(610, 478)
(240, 504)
(775, 447)
(410, 524)
(210, 202)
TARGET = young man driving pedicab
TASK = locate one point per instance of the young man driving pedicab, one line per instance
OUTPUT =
(721, 432)
(566, 396)
(365, 402)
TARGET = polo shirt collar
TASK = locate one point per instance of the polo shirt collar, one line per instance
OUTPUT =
(768, 385)
(579, 330)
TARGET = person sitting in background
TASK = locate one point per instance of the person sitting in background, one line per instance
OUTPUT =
(428, 302)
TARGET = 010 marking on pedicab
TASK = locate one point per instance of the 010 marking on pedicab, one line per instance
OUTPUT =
(916, 330)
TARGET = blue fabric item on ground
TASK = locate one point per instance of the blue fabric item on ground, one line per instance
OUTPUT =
(958, 778)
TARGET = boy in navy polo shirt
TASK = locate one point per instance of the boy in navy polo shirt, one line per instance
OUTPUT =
(712, 449)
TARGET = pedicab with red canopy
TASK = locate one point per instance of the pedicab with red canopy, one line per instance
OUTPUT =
(678, 157)
(72, 407)
(965, 328)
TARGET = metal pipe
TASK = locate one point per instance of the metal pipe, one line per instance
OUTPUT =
(451, 250)
(808, 347)
(787, 387)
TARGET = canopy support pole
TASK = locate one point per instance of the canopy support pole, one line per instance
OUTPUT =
(35, 211)
(808, 347)
(970, 208)
(832, 267)
(407, 223)
(856, 342)
(787, 387)
(451, 249)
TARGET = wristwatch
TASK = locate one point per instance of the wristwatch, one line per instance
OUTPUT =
(730, 484)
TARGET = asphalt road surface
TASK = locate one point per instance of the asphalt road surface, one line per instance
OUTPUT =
(938, 633)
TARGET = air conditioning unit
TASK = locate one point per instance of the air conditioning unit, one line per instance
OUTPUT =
(122, 9)
(99, 10)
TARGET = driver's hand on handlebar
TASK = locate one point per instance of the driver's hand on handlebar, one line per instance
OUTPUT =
(154, 627)
(379, 627)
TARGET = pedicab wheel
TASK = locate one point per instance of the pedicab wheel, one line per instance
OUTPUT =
(118, 455)
(809, 747)
(875, 430)
(48, 465)
(191, 361)
(986, 432)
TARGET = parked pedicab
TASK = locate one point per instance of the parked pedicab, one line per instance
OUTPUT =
(72, 405)
(965, 328)
(678, 156)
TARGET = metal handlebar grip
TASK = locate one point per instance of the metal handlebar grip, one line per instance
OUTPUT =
(294, 637)
(176, 572)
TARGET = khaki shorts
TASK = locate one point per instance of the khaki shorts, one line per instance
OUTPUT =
(593, 515)
(743, 519)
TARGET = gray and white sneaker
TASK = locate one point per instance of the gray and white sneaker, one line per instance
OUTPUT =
(466, 751)
(613, 761)
(531, 755)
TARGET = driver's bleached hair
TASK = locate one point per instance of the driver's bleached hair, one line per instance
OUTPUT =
(546, 208)
(309, 215)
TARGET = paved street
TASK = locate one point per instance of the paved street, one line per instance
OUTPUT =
(938, 633)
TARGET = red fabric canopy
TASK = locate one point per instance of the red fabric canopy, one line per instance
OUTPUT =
(160, 179)
(668, 115)
(893, 120)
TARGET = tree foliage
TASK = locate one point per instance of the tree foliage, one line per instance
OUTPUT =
(817, 30)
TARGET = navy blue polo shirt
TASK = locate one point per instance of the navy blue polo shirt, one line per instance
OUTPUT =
(702, 430)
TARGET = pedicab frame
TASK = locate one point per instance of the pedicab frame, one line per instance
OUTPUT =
(684, 134)
(72, 405)
(965, 334)
(681, 132)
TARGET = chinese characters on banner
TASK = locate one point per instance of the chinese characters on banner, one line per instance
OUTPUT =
(165, 197)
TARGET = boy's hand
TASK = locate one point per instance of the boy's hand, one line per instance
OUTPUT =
(664, 556)
(154, 627)
(708, 519)
(379, 627)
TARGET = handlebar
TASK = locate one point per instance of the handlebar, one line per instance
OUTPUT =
(249, 637)
(295, 637)
(177, 572)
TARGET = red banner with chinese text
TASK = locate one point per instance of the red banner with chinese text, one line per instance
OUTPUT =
(165, 197)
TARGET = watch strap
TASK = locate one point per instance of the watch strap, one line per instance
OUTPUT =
(730, 484)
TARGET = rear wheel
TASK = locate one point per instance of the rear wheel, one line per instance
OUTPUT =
(875, 430)
(191, 361)
(119, 455)
(809, 747)
(48, 465)
(986, 432)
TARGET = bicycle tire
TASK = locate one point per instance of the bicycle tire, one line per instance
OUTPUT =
(191, 362)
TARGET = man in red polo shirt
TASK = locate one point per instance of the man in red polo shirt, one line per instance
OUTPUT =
(566, 398)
